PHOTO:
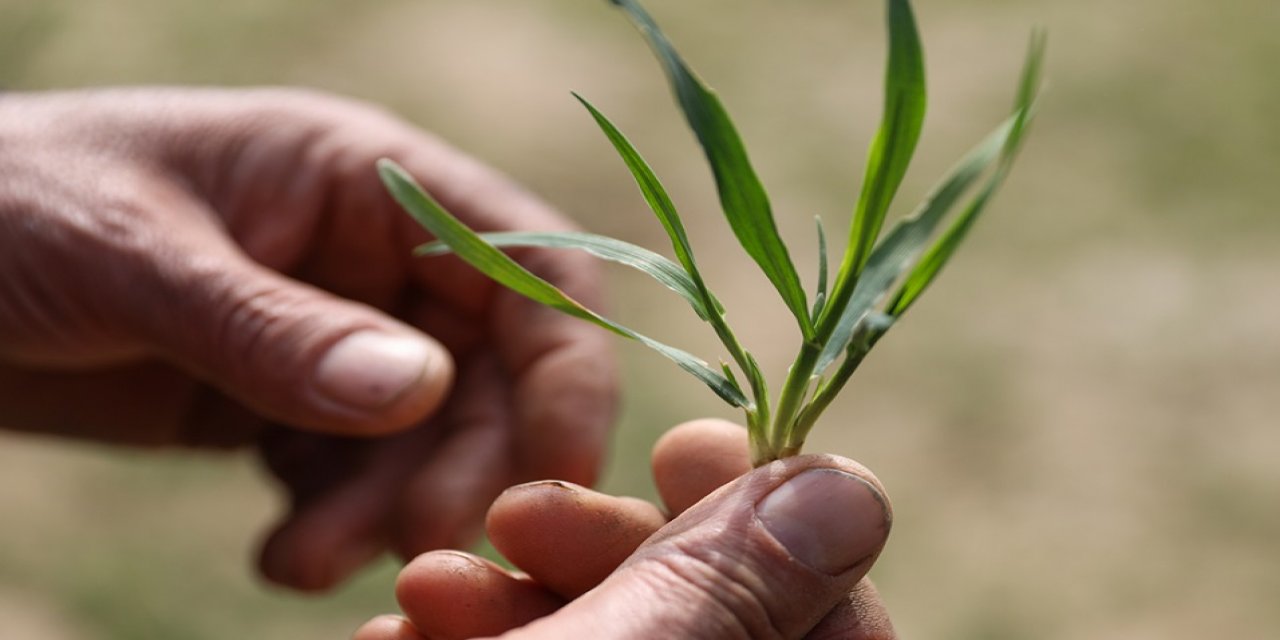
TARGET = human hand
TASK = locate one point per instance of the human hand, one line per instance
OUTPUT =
(781, 552)
(215, 268)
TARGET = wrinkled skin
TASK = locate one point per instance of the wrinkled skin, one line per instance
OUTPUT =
(176, 264)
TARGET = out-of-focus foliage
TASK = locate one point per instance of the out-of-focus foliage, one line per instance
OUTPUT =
(1078, 428)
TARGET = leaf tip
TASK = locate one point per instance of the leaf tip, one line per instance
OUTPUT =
(386, 165)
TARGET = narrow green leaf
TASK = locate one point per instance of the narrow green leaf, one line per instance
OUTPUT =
(666, 272)
(650, 187)
(723, 387)
(938, 255)
(895, 142)
(820, 298)
(904, 243)
(1029, 85)
(492, 262)
(741, 195)
(729, 374)
(665, 210)
(656, 196)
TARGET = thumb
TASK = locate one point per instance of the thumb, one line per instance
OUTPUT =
(294, 353)
(767, 556)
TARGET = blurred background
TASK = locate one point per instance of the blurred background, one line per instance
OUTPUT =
(1077, 425)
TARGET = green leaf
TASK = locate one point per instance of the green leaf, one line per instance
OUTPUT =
(741, 195)
(895, 142)
(666, 272)
(492, 262)
(665, 210)
(656, 195)
(1029, 84)
(940, 253)
(820, 298)
(904, 243)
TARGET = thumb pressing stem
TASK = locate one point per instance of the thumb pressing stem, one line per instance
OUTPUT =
(767, 556)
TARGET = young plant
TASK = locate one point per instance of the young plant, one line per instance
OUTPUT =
(874, 285)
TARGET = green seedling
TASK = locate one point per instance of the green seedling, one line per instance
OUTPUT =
(875, 283)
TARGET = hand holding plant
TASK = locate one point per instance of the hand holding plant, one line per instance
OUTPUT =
(777, 553)
(877, 280)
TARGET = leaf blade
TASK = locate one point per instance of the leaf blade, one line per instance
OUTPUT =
(663, 208)
(895, 141)
(651, 188)
(501, 268)
(820, 296)
(742, 196)
(906, 241)
(656, 266)
(941, 252)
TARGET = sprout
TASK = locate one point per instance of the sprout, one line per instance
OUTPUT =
(879, 276)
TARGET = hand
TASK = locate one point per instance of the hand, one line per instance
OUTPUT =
(780, 552)
(223, 268)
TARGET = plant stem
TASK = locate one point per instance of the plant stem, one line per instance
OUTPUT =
(757, 414)
(801, 372)
(794, 391)
(761, 451)
(863, 339)
(759, 390)
(821, 398)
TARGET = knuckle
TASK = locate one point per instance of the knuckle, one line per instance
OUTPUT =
(732, 600)
(253, 330)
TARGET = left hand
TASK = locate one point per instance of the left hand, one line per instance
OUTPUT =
(216, 268)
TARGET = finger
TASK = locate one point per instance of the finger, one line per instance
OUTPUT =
(565, 399)
(696, 458)
(565, 376)
(768, 555)
(448, 595)
(387, 628)
(326, 538)
(861, 615)
(296, 354)
(443, 503)
(568, 538)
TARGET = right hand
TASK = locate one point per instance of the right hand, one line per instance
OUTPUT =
(780, 552)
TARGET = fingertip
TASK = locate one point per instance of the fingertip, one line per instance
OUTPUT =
(321, 543)
(827, 514)
(697, 457)
(379, 381)
(293, 558)
(567, 537)
(294, 353)
(387, 627)
(852, 467)
(451, 594)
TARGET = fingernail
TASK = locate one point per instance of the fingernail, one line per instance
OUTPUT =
(371, 369)
(461, 560)
(828, 519)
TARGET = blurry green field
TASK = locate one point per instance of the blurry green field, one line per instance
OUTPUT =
(1077, 426)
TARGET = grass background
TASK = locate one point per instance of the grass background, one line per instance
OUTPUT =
(1077, 425)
